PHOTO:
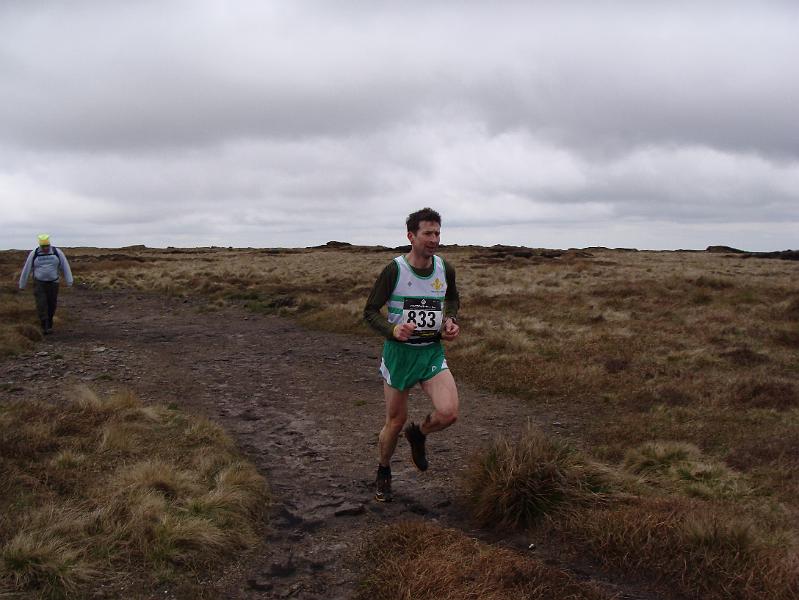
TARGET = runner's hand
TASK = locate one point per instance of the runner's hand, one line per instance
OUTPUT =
(450, 330)
(404, 331)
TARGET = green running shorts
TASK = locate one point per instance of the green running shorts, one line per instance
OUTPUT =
(405, 365)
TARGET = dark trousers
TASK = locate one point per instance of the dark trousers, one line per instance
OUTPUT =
(46, 294)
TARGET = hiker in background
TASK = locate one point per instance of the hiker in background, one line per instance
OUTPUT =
(45, 262)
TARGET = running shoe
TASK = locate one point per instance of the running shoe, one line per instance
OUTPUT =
(383, 487)
(416, 439)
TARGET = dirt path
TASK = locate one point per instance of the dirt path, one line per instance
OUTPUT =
(304, 406)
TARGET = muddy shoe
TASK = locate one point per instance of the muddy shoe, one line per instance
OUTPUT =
(416, 439)
(383, 486)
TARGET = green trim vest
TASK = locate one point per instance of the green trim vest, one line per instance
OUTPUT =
(419, 300)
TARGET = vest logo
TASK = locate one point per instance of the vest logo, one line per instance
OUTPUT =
(437, 285)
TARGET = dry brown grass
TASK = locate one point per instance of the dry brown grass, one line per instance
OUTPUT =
(627, 348)
(426, 562)
(672, 513)
(106, 490)
(704, 551)
(682, 468)
(516, 483)
(19, 329)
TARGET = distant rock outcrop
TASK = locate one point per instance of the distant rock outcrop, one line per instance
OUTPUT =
(781, 254)
(724, 250)
(503, 252)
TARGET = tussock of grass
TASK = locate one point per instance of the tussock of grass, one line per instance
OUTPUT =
(105, 489)
(660, 457)
(48, 564)
(85, 399)
(26, 428)
(29, 331)
(691, 538)
(18, 338)
(155, 476)
(19, 325)
(201, 430)
(787, 337)
(744, 356)
(67, 459)
(714, 283)
(792, 309)
(765, 392)
(425, 562)
(682, 467)
(703, 551)
(516, 483)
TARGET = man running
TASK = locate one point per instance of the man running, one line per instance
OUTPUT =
(45, 262)
(422, 300)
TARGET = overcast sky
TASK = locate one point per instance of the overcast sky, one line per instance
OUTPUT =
(637, 124)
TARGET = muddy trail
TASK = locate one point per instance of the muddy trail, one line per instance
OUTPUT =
(304, 406)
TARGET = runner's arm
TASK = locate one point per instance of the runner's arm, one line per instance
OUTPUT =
(452, 300)
(381, 292)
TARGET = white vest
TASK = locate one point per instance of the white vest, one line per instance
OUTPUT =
(419, 300)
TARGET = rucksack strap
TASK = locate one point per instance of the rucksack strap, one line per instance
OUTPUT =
(37, 253)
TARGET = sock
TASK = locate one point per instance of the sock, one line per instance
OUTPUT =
(381, 470)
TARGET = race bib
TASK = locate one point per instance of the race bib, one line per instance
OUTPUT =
(425, 313)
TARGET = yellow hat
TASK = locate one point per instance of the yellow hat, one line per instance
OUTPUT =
(44, 239)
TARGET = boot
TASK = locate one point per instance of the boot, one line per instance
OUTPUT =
(50, 325)
(45, 328)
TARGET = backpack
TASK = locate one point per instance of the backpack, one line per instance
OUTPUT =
(54, 252)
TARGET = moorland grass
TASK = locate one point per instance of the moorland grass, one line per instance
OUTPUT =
(19, 329)
(515, 483)
(106, 491)
(670, 512)
(704, 551)
(427, 562)
(628, 348)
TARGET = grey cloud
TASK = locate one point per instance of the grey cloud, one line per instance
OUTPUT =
(204, 122)
(605, 80)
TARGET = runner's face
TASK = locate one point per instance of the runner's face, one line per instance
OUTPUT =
(425, 241)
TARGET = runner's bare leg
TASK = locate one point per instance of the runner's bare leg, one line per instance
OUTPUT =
(396, 415)
(443, 392)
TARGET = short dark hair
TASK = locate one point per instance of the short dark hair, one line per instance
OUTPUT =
(426, 214)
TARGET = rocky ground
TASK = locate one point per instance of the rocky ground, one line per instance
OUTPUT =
(304, 406)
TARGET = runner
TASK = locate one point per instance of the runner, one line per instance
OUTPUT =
(422, 300)
(45, 262)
